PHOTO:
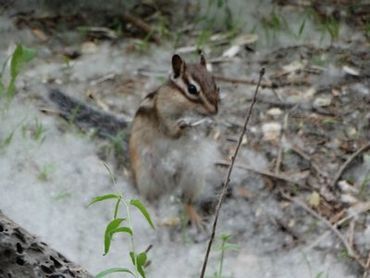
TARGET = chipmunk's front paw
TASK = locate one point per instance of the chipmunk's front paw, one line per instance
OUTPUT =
(184, 123)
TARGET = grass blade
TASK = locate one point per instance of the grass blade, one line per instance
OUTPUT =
(136, 203)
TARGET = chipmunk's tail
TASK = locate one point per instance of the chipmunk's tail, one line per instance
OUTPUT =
(104, 124)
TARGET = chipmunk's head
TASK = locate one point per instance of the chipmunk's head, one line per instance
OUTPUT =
(196, 84)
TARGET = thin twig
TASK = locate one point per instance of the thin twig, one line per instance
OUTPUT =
(366, 273)
(279, 158)
(338, 223)
(227, 179)
(265, 173)
(348, 162)
(300, 152)
(221, 78)
(350, 251)
(266, 84)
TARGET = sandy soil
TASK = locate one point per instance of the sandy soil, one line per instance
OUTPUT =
(51, 170)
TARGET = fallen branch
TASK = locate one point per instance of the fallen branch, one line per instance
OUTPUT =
(227, 179)
(362, 210)
(26, 256)
(350, 251)
(348, 162)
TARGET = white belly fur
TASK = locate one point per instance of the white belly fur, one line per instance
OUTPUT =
(179, 166)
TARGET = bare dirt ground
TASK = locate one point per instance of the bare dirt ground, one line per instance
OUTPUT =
(303, 174)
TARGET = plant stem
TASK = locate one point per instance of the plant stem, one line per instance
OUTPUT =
(131, 237)
(222, 258)
(227, 179)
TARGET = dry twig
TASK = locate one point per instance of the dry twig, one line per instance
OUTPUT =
(227, 179)
(281, 147)
(139, 23)
(266, 84)
(351, 252)
(367, 270)
(280, 177)
(301, 153)
(348, 162)
(363, 209)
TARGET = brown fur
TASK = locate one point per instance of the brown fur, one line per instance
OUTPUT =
(156, 129)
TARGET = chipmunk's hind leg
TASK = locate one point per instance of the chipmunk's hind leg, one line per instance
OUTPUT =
(194, 217)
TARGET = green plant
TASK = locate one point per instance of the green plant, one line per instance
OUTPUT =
(273, 23)
(21, 56)
(203, 38)
(322, 274)
(124, 225)
(331, 25)
(38, 131)
(326, 24)
(224, 246)
(217, 17)
(35, 131)
(62, 195)
(364, 186)
(6, 141)
(45, 171)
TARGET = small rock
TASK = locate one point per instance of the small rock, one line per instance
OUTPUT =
(351, 132)
(271, 131)
(348, 199)
(232, 51)
(346, 187)
(275, 112)
(322, 101)
(314, 199)
(293, 66)
(88, 48)
(309, 94)
(351, 71)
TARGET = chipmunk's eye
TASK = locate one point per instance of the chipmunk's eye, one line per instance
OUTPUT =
(192, 89)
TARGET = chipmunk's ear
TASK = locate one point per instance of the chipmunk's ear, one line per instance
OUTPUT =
(178, 66)
(203, 61)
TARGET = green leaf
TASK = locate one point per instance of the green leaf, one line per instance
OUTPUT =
(114, 224)
(113, 270)
(136, 203)
(116, 207)
(231, 246)
(1, 88)
(7, 140)
(132, 256)
(20, 57)
(302, 27)
(141, 260)
(122, 230)
(104, 197)
(220, 3)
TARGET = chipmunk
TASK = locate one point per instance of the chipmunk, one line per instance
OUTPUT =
(166, 154)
